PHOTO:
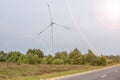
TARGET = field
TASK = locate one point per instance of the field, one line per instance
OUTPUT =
(12, 71)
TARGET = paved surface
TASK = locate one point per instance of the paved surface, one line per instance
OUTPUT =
(106, 74)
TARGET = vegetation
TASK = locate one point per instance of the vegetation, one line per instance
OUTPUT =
(13, 71)
(35, 64)
(36, 56)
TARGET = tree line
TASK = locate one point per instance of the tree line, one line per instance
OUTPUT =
(75, 57)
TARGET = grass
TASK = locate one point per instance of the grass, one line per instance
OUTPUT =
(12, 71)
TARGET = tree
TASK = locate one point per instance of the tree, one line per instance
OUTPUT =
(2, 54)
(102, 61)
(61, 57)
(12, 56)
(75, 57)
(58, 61)
(83, 59)
(114, 58)
(44, 60)
(49, 59)
(32, 58)
(36, 52)
(90, 58)
(23, 59)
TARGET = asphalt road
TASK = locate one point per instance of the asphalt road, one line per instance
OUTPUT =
(106, 74)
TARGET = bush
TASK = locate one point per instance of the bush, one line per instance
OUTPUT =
(58, 61)
(44, 60)
(23, 59)
(33, 59)
(2, 54)
(12, 56)
(75, 57)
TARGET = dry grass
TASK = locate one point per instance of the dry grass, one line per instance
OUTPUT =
(12, 70)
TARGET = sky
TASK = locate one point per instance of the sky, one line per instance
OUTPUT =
(94, 24)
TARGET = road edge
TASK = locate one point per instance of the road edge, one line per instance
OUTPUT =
(82, 73)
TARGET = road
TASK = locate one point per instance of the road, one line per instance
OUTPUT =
(105, 74)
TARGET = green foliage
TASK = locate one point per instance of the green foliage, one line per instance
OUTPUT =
(101, 61)
(44, 60)
(114, 58)
(75, 57)
(33, 58)
(58, 61)
(49, 59)
(12, 56)
(36, 52)
(83, 59)
(2, 54)
(90, 58)
(36, 56)
(23, 59)
(61, 57)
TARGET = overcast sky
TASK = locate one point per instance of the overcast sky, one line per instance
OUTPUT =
(94, 24)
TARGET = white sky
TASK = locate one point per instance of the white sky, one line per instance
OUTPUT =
(92, 26)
